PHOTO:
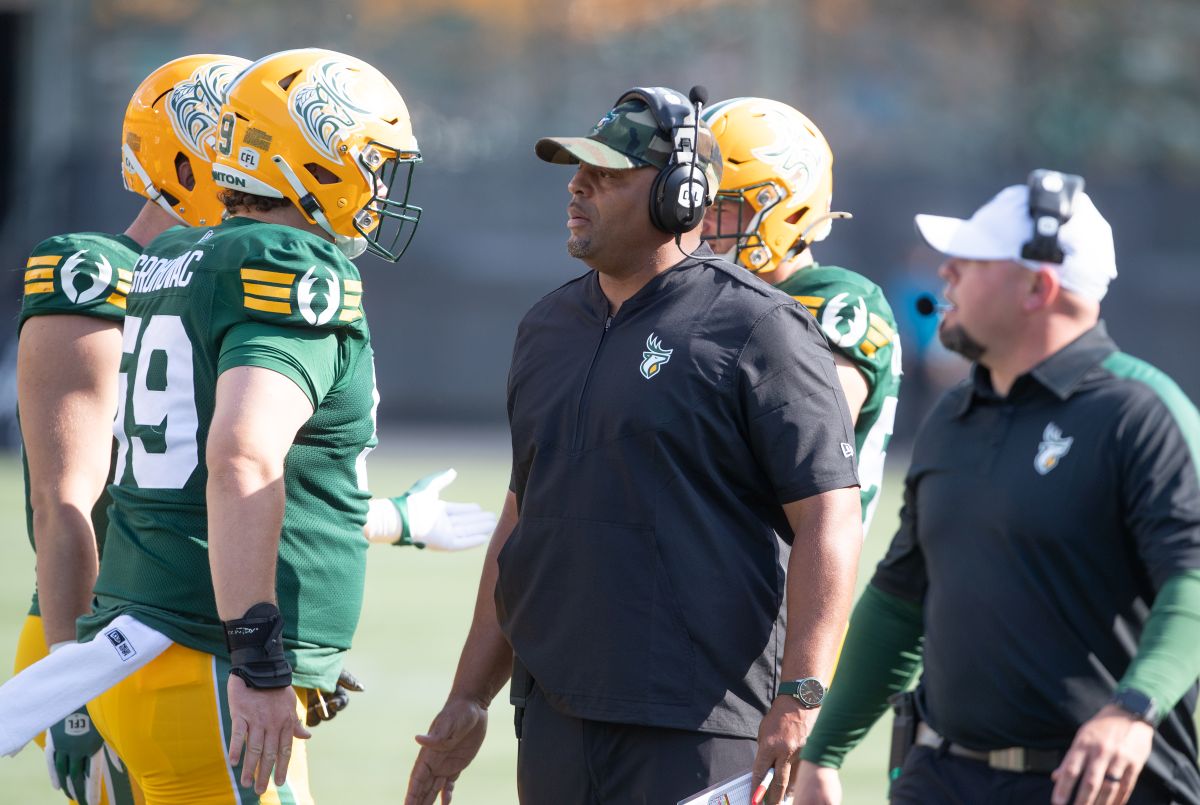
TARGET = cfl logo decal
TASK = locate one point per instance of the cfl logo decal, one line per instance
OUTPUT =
(655, 357)
(305, 295)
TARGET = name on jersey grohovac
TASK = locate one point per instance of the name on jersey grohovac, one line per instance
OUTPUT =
(152, 273)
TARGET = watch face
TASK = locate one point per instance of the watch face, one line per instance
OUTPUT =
(811, 692)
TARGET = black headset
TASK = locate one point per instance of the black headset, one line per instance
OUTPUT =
(1051, 204)
(680, 191)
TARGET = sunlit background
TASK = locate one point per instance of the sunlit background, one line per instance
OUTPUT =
(929, 107)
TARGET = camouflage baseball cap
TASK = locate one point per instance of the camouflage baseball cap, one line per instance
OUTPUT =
(629, 137)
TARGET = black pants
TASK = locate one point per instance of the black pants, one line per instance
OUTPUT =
(570, 761)
(934, 777)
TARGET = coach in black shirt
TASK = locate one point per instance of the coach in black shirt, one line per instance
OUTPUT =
(670, 416)
(1049, 546)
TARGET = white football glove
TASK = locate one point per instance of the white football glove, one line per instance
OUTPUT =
(420, 517)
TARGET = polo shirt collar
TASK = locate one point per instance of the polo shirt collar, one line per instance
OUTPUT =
(669, 279)
(1061, 373)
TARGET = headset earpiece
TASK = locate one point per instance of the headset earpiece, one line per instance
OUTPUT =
(680, 191)
(1051, 203)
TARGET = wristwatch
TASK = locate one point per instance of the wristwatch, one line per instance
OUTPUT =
(1137, 704)
(808, 691)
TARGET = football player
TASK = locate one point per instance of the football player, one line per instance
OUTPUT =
(245, 416)
(68, 353)
(774, 203)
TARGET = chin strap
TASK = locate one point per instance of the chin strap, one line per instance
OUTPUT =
(153, 192)
(351, 247)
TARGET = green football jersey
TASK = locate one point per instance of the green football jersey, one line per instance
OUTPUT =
(858, 323)
(203, 301)
(81, 274)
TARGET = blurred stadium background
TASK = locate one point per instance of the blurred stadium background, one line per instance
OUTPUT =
(929, 107)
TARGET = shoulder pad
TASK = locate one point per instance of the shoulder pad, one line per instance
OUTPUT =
(300, 283)
(88, 274)
(851, 310)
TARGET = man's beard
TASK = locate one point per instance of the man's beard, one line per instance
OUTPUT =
(579, 247)
(955, 339)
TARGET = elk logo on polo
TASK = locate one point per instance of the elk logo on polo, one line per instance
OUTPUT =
(854, 318)
(655, 357)
(99, 281)
(1051, 449)
(306, 294)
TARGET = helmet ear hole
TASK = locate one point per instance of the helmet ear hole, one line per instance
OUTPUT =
(322, 174)
(183, 171)
(797, 215)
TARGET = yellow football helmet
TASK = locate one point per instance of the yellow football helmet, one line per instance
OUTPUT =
(778, 173)
(172, 117)
(329, 133)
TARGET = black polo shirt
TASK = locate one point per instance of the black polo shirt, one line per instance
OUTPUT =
(1036, 529)
(652, 453)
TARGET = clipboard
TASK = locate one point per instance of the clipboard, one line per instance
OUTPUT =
(734, 791)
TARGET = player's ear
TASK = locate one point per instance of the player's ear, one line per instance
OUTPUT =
(183, 170)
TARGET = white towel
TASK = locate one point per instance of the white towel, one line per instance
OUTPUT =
(55, 686)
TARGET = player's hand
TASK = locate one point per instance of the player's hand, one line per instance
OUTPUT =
(816, 785)
(447, 748)
(264, 722)
(1105, 758)
(71, 748)
(108, 774)
(781, 736)
(324, 706)
(440, 525)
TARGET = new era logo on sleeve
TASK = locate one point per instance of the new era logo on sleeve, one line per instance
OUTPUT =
(847, 450)
(121, 644)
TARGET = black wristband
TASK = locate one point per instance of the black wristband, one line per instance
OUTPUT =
(255, 643)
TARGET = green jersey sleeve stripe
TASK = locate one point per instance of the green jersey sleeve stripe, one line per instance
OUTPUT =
(1177, 403)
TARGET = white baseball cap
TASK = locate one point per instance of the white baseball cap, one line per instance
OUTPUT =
(999, 229)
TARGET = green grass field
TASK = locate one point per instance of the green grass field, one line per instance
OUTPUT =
(418, 607)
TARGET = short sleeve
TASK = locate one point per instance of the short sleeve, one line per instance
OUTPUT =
(902, 571)
(310, 358)
(1159, 446)
(302, 282)
(794, 411)
(85, 275)
(855, 317)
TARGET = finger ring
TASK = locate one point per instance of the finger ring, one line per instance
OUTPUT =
(1112, 778)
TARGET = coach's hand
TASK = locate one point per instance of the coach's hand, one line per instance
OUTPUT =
(1105, 758)
(781, 736)
(816, 785)
(447, 748)
(264, 723)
